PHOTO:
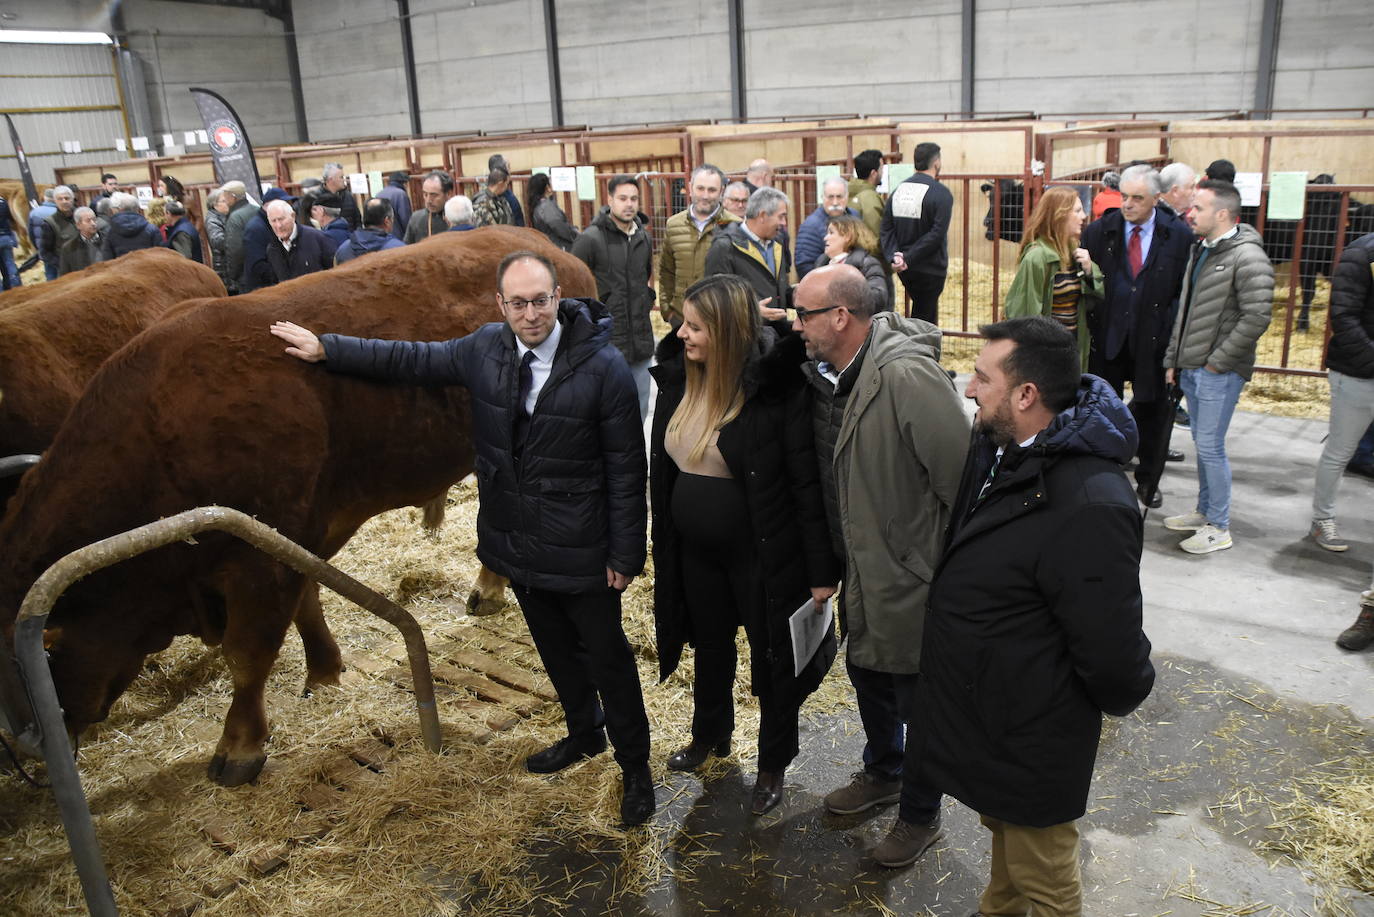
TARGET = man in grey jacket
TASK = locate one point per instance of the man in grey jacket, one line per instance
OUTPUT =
(891, 438)
(1224, 307)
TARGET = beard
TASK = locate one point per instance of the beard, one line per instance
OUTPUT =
(996, 424)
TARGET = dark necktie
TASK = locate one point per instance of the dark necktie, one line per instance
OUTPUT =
(1133, 251)
(522, 417)
(992, 475)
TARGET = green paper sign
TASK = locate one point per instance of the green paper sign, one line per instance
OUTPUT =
(586, 183)
(897, 173)
(375, 182)
(1287, 195)
(823, 175)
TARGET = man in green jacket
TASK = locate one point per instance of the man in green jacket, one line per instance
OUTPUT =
(863, 189)
(687, 239)
(891, 438)
(1224, 307)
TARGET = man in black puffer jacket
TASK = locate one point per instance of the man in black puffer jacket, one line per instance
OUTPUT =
(1350, 362)
(561, 477)
(129, 229)
(1033, 629)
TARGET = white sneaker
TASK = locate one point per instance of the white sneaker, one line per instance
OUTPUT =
(1188, 522)
(1324, 533)
(1207, 539)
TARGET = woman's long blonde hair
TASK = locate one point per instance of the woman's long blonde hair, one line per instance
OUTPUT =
(1047, 223)
(728, 310)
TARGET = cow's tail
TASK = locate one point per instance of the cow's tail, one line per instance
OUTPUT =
(434, 514)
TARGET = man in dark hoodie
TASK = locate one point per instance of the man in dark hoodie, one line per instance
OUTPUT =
(552, 404)
(619, 252)
(129, 228)
(375, 234)
(1033, 628)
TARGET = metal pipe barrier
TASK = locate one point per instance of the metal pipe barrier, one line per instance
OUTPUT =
(33, 615)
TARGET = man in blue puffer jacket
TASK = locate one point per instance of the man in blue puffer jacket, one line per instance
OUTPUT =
(373, 236)
(561, 477)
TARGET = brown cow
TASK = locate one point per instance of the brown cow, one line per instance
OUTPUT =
(53, 336)
(204, 407)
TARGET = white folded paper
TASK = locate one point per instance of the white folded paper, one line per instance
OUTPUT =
(808, 630)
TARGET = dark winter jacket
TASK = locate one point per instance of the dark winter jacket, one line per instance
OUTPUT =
(311, 251)
(768, 450)
(550, 219)
(38, 218)
(733, 252)
(257, 236)
(916, 223)
(338, 231)
(1137, 312)
(184, 239)
(623, 267)
(129, 232)
(236, 223)
(80, 253)
(363, 241)
(399, 198)
(811, 239)
(424, 224)
(1352, 311)
(879, 280)
(1034, 623)
(572, 504)
(517, 213)
(58, 229)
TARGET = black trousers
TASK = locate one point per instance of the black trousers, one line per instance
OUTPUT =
(589, 661)
(924, 290)
(1152, 419)
(721, 579)
(885, 708)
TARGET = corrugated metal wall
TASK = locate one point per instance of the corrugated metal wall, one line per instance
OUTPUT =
(55, 77)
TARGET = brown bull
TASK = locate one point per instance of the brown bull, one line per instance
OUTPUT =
(53, 336)
(205, 408)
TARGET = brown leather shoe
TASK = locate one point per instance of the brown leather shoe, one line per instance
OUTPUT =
(1358, 635)
(767, 791)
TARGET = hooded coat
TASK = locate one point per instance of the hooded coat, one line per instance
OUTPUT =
(900, 438)
(573, 504)
(1352, 311)
(623, 266)
(768, 449)
(130, 231)
(1034, 622)
(363, 241)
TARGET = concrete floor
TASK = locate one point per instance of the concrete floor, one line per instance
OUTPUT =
(1252, 693)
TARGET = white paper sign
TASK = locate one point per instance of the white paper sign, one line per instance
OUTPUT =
(1248, 184)
(808, 631)
(140, 144)
(563, 178)
(168, 140)
(202, 137)
(121, 145)
(882, 182)
(71, 146)
(189, 137)
(144, 193)
(357, 182)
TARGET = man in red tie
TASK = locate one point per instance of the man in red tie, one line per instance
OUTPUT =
(1142, 251)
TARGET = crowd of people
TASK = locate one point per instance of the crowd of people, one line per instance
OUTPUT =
(810, 457)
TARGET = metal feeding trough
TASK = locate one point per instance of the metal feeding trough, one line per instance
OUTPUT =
(29, 708)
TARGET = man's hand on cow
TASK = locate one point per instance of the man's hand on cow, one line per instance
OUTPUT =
(618, 581)
(304, 344)
(770, 314)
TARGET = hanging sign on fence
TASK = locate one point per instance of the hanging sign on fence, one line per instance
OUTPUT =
(1287, 194)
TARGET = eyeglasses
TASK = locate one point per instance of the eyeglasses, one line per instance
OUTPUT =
(738, 200)
(540, 303)
(804, 314)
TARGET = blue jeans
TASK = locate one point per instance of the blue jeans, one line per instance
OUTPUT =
(1212, 400)
(50, 270)
(885, 709)
(8, 268)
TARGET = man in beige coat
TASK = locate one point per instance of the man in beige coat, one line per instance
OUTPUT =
(688, 237)
(891, 438)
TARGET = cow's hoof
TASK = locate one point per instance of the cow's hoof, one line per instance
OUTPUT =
(235, 773)
(480, 606)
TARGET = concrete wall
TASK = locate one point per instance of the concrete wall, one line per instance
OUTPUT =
(351, 73)
(480, 66)
(243, 58)
(1326, 55)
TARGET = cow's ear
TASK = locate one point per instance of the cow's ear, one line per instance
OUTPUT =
(52, 636)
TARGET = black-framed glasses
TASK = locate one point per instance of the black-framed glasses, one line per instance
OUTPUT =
(540, 303)
(804, 314)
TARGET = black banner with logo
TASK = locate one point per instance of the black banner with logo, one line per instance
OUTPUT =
(229, 146)
(30, 189)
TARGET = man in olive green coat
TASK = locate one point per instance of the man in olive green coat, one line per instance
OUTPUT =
(687, 238)
(891, 436)
(863, 189)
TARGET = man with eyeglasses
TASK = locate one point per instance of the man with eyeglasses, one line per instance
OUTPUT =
(736, 199)
(891, 439)
(561, 477)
